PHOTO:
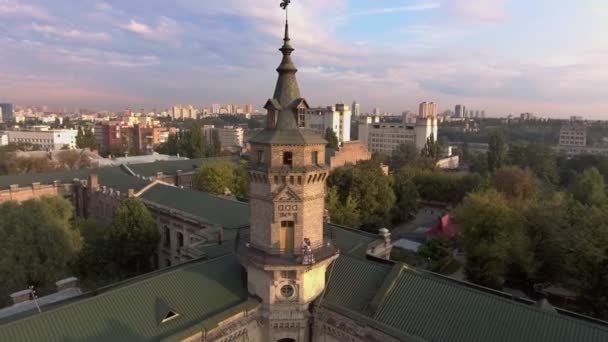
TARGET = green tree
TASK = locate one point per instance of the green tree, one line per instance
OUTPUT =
(589, 188)
(431, 149)
(435, 249)
(405, 154)
(539, 158)
(216, 144)
(406, 195)
(493, 239)
(345, 214)
(132, 239)
(516, 184)
(194, 143)
(497, 152)
(332, 138)
(222, 178)
(371, 190)
(37, 244)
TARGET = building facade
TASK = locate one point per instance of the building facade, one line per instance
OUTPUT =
(428, 110)
(356, 109)
(385, 137)
(108, 136)
(337, 117)
(6, 112)
(460, 111)
(51, 140)
(573, 134)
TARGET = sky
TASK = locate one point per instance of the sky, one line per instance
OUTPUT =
(503, 56)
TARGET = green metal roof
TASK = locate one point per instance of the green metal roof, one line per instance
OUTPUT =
(111, 177)
(430, 307)
(350, 241)
(208, 208)
(201, 293)
(297, 136)
(171, 167)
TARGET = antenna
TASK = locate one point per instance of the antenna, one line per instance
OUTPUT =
(35, 298)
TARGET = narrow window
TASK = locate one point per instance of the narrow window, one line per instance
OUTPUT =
(302, 117)
(291, 180)
(287, 158)
(260, 157)
(315, 158)
(180, 239)
(167, 237)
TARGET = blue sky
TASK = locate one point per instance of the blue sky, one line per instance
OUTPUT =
(504, 56)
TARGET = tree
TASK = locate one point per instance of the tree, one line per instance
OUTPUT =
(221, 179)
(405, 154)
(85, 138)
(345, 214)
(406, 195)
(431, 149)
(25, 165)
(371, 190)
(516, 184)
(132, 239)
(73, 160)
(216, 144)
(497, 151)
(539, 158)
(37, 244)
(194, 143)
(493, 239)
(332, 138)
(589, 188)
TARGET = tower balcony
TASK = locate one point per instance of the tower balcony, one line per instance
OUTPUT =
(273, 258)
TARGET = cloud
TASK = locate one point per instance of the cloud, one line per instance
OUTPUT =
(71, 34)
(411, 8)
(480, 10)
(167, 30)
(12, 8)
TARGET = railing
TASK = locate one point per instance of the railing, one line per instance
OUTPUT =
(275, 256)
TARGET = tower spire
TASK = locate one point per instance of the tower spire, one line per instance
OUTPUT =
(287, 89)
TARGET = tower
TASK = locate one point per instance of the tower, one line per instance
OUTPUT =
(285, 253)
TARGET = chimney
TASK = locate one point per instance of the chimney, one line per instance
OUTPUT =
(385, 234)
(67, 283)
(93, 182)
(131, 193)
(22, 296)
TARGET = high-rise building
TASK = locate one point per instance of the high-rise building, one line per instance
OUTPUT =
(428, 110)
(215, 108)
(336, 117)
(356, 109)
(248, 109)
(6, 109)
(460, 111)
(376, 111)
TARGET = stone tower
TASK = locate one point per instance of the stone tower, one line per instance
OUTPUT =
(285, 254)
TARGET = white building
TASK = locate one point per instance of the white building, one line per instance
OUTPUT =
(51, 140)
(3, 139)
(336, 117)
(356, 109)
(573, 133)
(231, 137)
(385, 137)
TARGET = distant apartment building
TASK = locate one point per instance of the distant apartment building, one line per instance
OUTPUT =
(142, 139)
(107, 136)
(336, 117)
(231, 137)
(385, 137)
(248, 109)
(215, 108)
(51, 140)
(428, 110)
(460, 111)
(376, 111)
(6, 112)
(184, 112)
(356, 109)
(573, 133)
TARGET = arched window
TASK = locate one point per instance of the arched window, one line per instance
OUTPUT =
(287, 158)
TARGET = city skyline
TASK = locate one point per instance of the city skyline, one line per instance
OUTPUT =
(503, 56)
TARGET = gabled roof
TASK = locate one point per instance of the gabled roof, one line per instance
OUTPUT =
(202, 293)
(418, 305)
(111, 177)
(171, 167)
(301, 136)
(205, 207)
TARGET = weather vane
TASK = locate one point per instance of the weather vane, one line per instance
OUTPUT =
(284, 4)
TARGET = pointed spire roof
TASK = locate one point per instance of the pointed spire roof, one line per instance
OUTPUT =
(286, 101)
